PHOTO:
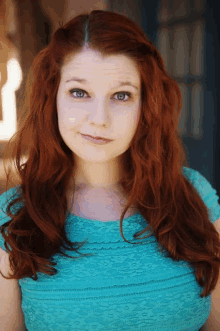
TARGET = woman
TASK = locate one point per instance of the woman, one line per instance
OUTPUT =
(101, 76)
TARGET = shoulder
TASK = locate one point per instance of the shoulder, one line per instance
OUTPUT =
(8, 195)
(5, 198)
(205, 190)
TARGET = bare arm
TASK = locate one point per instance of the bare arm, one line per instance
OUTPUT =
(11, 314)
(213, 321)
(205, 327)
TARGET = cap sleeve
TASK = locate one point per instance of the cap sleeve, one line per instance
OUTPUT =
(5, 198)
(206, 192)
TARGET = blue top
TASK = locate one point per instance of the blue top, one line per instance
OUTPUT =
(122, 286)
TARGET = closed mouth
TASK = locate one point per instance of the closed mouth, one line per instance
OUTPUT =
(98, 138)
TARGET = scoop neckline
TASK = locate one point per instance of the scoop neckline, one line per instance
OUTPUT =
(100, 221)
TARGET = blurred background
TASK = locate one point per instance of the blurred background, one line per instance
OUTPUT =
(184, 31)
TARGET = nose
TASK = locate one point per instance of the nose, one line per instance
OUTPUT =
(99, 116)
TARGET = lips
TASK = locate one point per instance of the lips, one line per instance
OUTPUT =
(98, 138)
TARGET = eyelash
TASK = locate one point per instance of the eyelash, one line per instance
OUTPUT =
(79, 90)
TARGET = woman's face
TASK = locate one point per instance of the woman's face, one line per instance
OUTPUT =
(98, 106)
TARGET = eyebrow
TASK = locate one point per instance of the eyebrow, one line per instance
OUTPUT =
(84, 81)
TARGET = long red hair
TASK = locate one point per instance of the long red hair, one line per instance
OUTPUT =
(152, 166)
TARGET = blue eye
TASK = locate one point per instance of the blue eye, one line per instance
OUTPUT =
(82, 91)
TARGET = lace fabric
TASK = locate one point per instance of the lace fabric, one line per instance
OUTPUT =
(122, 286)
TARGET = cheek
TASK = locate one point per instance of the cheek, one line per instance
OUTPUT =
(131, 123)
(68, 116)
(130, 120)
(136, 118)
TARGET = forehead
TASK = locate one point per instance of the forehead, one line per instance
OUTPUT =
(91, 64)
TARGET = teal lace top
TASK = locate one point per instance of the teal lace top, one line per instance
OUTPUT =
(122, 286)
